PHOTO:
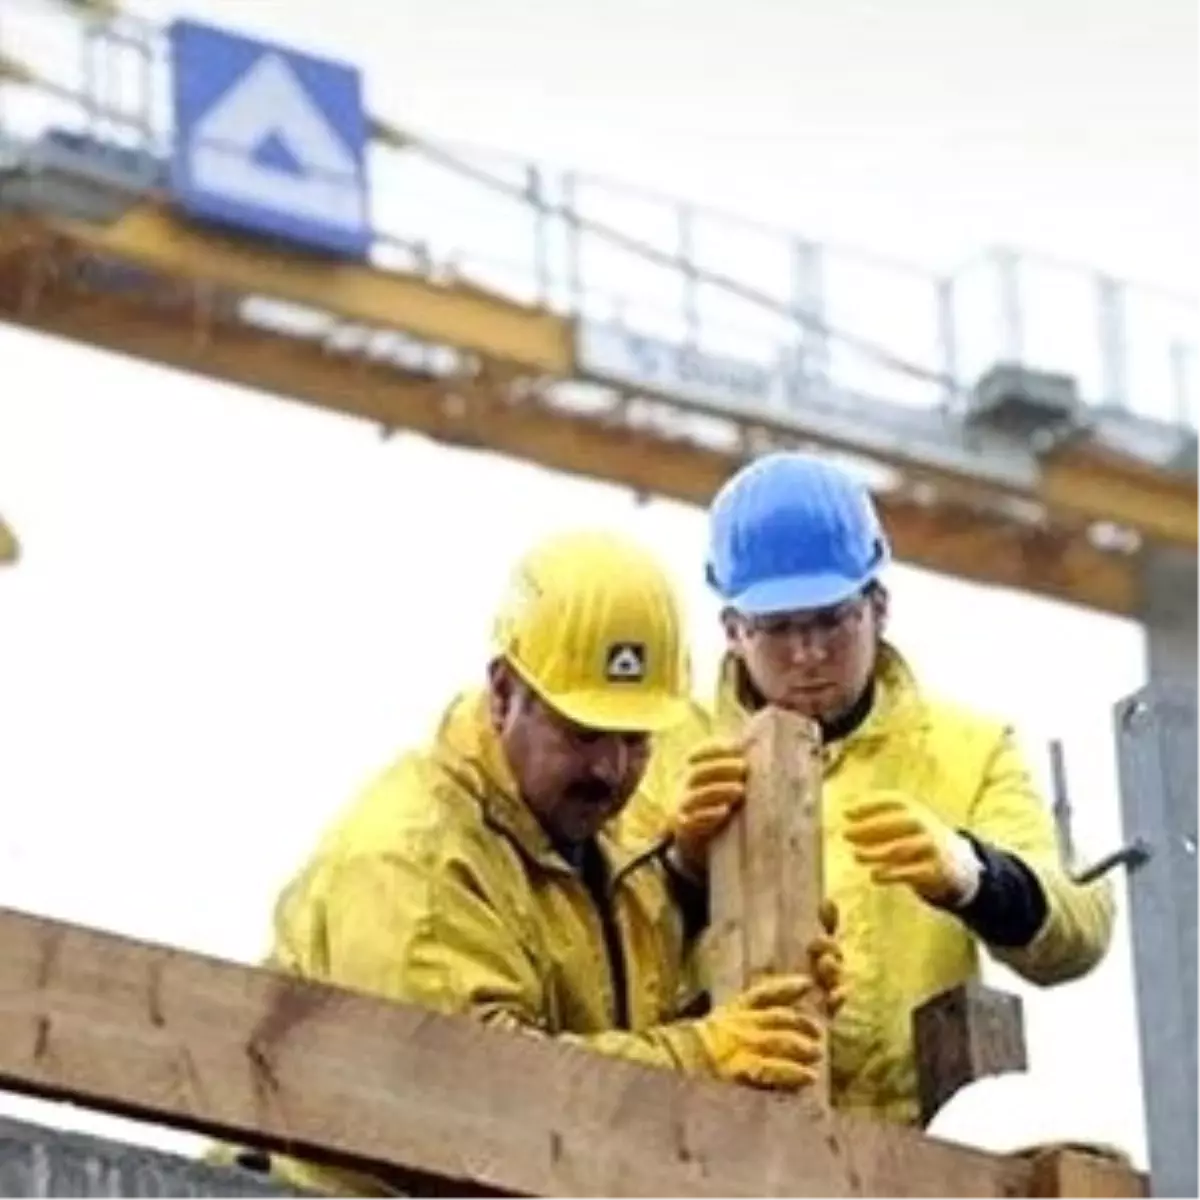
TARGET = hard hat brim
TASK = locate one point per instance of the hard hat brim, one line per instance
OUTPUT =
(796, 593)
(611, 711)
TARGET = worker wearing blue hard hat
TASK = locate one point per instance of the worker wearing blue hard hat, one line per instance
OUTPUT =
(795, 544)
(937, 841)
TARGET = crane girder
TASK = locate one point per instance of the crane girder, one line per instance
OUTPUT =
(187, 302)
(441, 311)
(1077, 484)
(997, 485)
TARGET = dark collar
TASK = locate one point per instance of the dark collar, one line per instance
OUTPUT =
(840, 728)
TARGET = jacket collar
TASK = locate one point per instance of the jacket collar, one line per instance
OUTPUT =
(899, 706)
(467, 748)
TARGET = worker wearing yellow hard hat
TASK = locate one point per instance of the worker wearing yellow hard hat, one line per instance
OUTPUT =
(937, 842)
(479, 875)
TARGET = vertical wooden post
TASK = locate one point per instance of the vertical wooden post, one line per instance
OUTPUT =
(1081, 1171)
(962, 1035)
(765, 869)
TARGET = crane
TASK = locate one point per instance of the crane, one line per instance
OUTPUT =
(1009, 481)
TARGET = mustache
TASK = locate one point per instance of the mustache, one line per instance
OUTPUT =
(591, 791)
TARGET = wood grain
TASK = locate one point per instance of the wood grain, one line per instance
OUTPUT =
(243, 1053)
(765, 869)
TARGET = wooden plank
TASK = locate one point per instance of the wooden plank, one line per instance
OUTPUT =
(765, 869)
(239, 1052)
(1070, 1170)
(962, 1035)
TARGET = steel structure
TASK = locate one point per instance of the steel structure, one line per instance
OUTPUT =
(531, 313)
(552, 317)
(1156, 748)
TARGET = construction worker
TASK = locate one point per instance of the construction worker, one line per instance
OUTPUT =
(936, 839)
(479, 875)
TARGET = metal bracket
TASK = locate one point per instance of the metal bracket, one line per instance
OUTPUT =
(1133, 855)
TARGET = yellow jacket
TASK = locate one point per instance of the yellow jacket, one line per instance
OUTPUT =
(437, 887)
(900, 951)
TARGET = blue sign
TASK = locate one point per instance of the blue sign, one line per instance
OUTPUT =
(269, 140)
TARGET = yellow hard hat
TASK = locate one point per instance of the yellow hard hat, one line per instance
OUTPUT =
(593, 625)
(10, 548)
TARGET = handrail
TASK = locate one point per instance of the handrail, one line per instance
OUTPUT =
(386, 134)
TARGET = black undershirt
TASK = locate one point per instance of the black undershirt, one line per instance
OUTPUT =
(588, 863)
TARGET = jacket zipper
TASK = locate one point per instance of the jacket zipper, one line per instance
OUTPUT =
(594, 877)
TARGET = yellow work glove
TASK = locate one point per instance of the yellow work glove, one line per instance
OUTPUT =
(713, 790)
(903, 842)
(762, 1038)
(826, 962)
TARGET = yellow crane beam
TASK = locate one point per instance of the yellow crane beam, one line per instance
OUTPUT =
(1076, 486)
(1099, 485)
(448, 312)
(178, 310)
(1032, 529)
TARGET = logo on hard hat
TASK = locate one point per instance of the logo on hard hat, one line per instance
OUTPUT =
(626, 662)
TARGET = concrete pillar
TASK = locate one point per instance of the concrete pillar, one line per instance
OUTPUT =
(1168, 613)
(36, 1161)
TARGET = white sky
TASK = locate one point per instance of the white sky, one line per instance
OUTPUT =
(229, 613)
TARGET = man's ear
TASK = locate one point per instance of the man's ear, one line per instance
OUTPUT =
(729, 623)
(501, 682)
(881, 606)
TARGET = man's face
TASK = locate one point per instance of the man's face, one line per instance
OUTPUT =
(816, 662)
(574, 779)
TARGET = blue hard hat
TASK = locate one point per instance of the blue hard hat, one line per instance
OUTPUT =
(791, 531)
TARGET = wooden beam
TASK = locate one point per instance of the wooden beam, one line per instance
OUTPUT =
(1070, 1170)
(765, 868)
(963, 1035)
(242, 1053)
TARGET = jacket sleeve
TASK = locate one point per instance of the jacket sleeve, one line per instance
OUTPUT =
(431, 935)
(1010, 814)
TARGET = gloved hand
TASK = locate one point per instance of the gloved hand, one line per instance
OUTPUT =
(903, 842)
(826, 962)
(714, 789)
(762, 1038)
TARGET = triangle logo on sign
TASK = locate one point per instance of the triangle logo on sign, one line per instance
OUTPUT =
(275, 153)
(267, 142)
(626, 662)
(269, 99)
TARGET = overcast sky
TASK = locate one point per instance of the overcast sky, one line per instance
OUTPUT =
(232, 610)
